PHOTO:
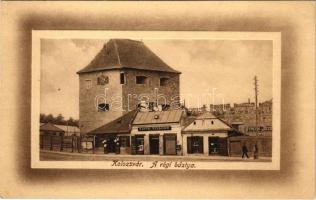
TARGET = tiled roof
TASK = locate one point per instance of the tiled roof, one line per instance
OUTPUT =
(207, 122)
(206, 115)
(159, 117)
(126, 54)
(50, 127)
(119, 125)
(70, 129)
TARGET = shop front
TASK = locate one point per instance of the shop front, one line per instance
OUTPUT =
(157, 133)
(114, 137)
(206, 135)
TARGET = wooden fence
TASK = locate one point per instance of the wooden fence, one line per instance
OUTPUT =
(264, 144)
(60, 143)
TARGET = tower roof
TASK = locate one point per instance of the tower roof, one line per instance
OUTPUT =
(126, 54)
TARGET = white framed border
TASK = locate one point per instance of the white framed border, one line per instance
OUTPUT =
(37, 35)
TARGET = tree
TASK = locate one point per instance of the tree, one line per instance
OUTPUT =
(42, 118)
(49, 118)
(71, 121)
(60, 119)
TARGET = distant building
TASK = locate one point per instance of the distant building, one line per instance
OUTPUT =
(69, 130)
(219, 109)
(244, 114)
(117, 80)
(51, 130)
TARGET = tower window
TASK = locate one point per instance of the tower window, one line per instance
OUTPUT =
(88, 84)
(141, 79)
(102, 107)
(102, 80)
(164, 81)
(122, 78)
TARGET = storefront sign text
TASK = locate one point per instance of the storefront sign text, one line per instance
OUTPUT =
(158, 128)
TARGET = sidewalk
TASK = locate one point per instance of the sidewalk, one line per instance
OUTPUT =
(56, 155)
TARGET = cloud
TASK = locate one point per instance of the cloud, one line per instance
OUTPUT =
(229, 66)
(60, 60)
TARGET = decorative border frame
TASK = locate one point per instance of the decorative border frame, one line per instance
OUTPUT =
(37, 35)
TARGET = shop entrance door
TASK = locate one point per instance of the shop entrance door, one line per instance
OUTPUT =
(110, 144)
(140, 145)
(213, 143)
(170, 143)
(154, 144)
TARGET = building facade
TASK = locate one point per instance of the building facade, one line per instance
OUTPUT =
(206, 135)
(123, 74)
(157, 133)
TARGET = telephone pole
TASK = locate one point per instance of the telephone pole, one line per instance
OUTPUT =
(256, 102)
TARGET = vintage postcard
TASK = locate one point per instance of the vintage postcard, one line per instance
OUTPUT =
(156, 100)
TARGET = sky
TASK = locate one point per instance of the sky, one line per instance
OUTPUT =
(213, 71)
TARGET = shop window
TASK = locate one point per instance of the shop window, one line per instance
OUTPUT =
(195, 144)
(139, 144)
(141, 79)
(122, 78)
(164, 81)
(88, 84)
(102, 80)
(102, 107)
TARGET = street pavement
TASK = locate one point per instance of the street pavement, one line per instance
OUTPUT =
(67, 156)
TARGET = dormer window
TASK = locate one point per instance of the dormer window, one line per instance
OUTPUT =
(141, 80)
(163, 81)
(102, 80)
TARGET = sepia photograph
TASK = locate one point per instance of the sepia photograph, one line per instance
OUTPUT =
(159, 100)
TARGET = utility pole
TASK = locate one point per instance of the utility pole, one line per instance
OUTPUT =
(256, 102)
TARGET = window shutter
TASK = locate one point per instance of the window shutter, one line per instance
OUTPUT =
(189, 144)
(133, 142)
(200, 139)
(128, 141)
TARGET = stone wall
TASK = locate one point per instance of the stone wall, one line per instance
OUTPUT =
(89, 116)
(121, 97)
(133, 92)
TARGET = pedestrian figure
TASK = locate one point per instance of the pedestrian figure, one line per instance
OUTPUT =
(104, 146)
(255, 152)
(244, 151)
